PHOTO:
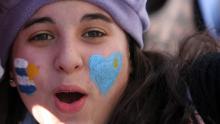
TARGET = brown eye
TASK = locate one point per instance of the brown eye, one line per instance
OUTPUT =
(41, 37)
(94, 34)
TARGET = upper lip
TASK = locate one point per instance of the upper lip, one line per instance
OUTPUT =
(69, 88)
(69, 94)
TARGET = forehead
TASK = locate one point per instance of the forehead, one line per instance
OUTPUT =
(69, 8)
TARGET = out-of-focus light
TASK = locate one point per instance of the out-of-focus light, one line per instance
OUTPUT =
(210, 10)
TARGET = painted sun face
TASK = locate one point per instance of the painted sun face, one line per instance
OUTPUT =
(71, 63)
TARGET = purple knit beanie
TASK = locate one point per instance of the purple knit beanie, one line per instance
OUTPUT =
(130, 15)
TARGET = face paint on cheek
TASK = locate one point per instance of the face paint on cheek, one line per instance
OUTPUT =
(104, 71)
(25, 74)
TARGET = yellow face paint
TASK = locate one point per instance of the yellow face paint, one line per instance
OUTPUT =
(115, 63)
(32, 71)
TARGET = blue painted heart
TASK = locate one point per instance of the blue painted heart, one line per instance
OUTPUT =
(104, 71)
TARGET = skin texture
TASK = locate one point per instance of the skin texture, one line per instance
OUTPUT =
(60, 43)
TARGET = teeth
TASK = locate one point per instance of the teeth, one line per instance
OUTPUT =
(69, 97)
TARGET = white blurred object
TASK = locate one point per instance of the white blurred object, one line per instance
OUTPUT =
(1, 70)
(210, 12)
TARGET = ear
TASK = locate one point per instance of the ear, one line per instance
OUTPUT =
(12, 80)
(12, 83)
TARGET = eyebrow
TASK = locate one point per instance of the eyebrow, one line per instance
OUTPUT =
(96, 16)
(37, 21)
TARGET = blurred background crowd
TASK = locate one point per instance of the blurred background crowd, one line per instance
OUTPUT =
(173, 20)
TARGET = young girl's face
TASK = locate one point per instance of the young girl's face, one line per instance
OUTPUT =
(71, 63)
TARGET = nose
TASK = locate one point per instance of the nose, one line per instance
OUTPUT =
(68, 58)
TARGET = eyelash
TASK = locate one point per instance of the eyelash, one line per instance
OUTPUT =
(94, 33)
(42, 36)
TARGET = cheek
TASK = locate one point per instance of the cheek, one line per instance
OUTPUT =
(25, 73)
(122, 79)
(105, 70)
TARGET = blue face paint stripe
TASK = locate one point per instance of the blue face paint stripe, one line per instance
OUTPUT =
(21, 71)
(28, 89)
(104, 71)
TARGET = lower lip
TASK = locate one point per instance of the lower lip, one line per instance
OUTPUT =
(72, 107)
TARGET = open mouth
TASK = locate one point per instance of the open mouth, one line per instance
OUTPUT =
(69, 97)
